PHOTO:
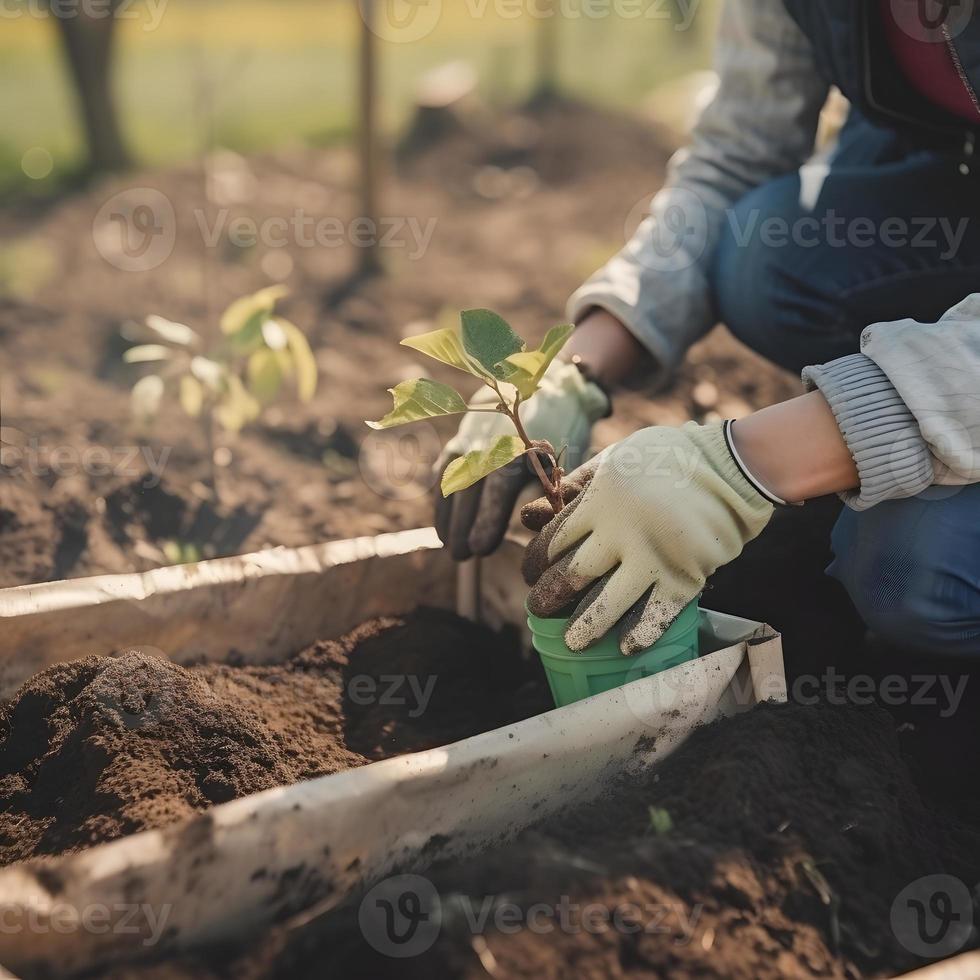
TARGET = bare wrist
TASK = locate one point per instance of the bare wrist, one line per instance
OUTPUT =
(796, 450)
(605, 348)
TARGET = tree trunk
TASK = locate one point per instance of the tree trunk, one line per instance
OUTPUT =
(370, 260)
(88, 44)
(546, 83)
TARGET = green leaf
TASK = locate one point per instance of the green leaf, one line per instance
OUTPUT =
(445, 345)
(264, 374)
(488, 338)
(173, 333)
(237, 407)
(144, 353)
(525, 370)
(242, 310)
(191, 395)
(473, 467)
(146, 396)
(249, 338)
(181, 552)
(304, 362)
(660, 821)
(420, 399)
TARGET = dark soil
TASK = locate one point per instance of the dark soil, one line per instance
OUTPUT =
(102, 747)
(793, 831)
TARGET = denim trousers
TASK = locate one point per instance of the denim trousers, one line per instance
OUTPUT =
(875, 231)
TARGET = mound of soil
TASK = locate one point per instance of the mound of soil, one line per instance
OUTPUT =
(102, 747)
(792, 831)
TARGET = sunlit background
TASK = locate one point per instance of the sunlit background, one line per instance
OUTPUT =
(250, 74)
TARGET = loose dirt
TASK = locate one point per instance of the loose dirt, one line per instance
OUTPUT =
(101, 747)
(793, 830)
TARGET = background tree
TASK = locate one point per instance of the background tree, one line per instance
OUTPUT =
(546, 51)
(87, 36)
(370, 261)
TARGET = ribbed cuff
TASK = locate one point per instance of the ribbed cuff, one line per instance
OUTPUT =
(892, 458)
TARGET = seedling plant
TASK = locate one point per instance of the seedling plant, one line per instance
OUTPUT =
(485, 346)
(229, 383)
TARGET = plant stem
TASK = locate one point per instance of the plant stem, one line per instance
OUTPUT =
(211, 444)
(552, 486)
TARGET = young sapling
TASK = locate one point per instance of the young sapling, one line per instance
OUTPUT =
(228, 383)
(486, 347)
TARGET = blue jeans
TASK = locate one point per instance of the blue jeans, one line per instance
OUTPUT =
(808, 260)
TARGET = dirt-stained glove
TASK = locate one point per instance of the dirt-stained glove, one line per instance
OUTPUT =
(473, 521)
(650, 519)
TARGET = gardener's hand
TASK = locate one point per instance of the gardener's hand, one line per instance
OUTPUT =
(473, 522)
(650, 519)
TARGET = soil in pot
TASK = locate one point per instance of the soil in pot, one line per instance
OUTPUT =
(101, 747)
(792, 830)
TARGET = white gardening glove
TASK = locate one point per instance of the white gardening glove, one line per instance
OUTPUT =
(473, 521)
(650, 519)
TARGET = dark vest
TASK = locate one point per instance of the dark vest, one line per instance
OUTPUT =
(851, 52)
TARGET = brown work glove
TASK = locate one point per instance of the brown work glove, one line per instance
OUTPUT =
(473, 521)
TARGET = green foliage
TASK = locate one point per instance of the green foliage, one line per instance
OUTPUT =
(473, 467)
(181, 552)
(489, 339)
(525, 369)
(420, 399)
(660, 822)
(484, 346)
(444, 345)
(232, 381)
(249, 310)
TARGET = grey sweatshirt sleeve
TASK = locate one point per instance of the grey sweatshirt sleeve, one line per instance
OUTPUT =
(760, 125)
(908, 405)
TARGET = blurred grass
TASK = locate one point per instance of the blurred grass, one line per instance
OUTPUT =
(284, 70)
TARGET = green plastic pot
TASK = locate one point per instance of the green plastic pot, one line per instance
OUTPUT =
(574, 676)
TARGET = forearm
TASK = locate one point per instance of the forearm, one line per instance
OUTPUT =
(796, 449)
(606, 349)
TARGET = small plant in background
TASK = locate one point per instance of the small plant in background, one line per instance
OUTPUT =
(484, 346)
(227, 384)
(660, 822)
